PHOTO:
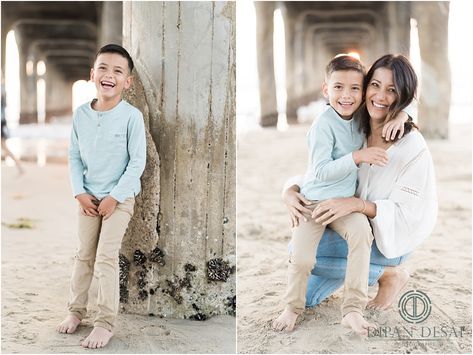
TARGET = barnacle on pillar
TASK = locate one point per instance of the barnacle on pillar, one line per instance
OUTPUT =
(218, 270)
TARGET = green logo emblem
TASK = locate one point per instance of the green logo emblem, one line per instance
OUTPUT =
(414, 306)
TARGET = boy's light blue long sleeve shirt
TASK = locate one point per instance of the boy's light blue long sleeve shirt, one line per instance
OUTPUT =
(332, 172)
(107, 152)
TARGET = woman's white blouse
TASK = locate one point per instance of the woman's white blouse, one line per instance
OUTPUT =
(405, 195)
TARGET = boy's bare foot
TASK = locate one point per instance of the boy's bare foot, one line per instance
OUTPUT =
(357, 323)
(285, 321)
(391, 283)
(68, 325)
(98, 338)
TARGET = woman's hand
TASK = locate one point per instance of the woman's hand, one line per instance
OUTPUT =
(295, 203)
(329, 210)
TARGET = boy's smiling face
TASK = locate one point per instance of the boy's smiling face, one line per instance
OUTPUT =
(110, 75)
(344, 90)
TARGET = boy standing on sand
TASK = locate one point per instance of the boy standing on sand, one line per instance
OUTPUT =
(107, 156)
(335, 141)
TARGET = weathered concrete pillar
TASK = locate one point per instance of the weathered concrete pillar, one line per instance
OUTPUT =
(5, 28)
(58, 94)
(302, 63)
(434, 102)
(371, 49)
(399, 26)
(6, 25)
(264, 50)
(289, 31)
(313, 67)
(378, 41)
(299, 68)
(28, 89)
(3, 39)
(320, 62)
(178, 255)
(111, 23)
(307, 59)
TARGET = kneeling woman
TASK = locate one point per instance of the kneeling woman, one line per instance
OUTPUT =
(399, 199)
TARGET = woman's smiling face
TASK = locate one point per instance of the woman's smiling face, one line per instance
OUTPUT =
(380, 94)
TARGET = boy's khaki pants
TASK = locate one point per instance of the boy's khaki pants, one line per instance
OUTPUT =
(99, 244)
(356, 230)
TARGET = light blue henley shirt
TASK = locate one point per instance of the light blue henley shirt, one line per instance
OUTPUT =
(107, 152)
(332, 172)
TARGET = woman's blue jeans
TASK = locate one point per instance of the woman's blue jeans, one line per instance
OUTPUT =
(328, 274)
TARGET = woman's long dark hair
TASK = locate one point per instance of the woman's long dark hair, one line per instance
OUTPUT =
(405, 82)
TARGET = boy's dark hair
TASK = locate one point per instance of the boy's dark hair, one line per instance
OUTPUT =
(115, 48)
(405, 82)
(344, 62)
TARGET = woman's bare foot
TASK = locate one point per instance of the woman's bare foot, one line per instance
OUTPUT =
(285, 321)
(357, 323)
(68, 325)
(391, 283)
(98, 338)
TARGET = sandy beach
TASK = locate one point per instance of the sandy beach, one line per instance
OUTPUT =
(37, 265)
(440, 267)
